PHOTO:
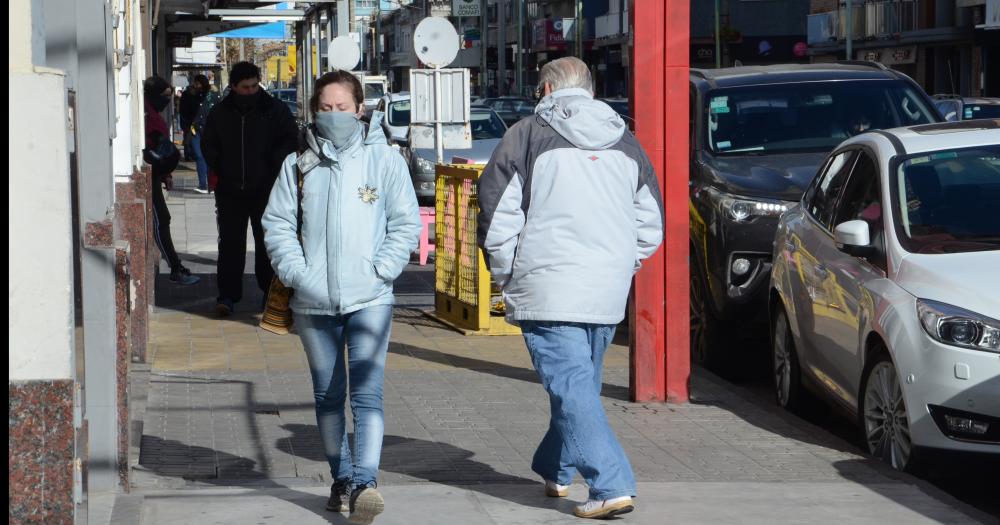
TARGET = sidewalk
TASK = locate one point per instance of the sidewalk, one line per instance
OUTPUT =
(229, 435)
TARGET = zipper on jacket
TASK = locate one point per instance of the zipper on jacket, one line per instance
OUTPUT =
(243, 149)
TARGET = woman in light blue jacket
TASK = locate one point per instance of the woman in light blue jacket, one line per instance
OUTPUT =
(359, 224)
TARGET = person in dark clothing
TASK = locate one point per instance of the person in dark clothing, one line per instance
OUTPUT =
(162, 156)
(191, 99)
(245, 140)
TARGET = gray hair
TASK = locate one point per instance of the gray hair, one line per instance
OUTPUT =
(565, 73)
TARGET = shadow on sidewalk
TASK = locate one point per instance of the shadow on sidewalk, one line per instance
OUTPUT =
(435, 462)
(208, 466)
(610, 391)
(199, 299)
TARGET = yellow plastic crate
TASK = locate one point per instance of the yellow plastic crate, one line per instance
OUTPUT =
(465, 296)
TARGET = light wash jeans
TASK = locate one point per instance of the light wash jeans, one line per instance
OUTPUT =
(200, 163)
(569, 358)
(366, 335)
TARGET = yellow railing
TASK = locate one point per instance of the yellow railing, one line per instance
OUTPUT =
(465, 296)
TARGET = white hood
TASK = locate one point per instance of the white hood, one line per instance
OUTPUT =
(966, 280)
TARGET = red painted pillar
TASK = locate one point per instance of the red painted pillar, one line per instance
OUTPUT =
(660, 362)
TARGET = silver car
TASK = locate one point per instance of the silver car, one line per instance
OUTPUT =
(487, 130)
(885, 290)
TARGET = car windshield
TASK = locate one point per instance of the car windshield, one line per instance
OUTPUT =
(399, 113)
(977, 111)
(374, 91)
(947, 201)
(808, 116)
(486, 125)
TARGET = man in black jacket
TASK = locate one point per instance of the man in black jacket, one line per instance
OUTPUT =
(245, 140)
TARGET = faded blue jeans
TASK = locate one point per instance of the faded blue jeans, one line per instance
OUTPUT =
(366, 335)
(569, 358)
(200, 162)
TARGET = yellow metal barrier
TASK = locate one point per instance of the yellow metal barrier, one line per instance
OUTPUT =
(465, 296)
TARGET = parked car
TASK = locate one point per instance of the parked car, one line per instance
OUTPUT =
(955, 107)
(375, 89)
(885, 293)
(487, 130)
(289, 96)
(758, 136)
(396, 107)
(513, 109)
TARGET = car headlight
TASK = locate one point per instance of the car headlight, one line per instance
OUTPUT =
(957, 327)
(743, 209)
(424, 165)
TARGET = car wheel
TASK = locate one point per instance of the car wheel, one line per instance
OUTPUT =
(884, 418)
(785, 364)
(707, 346)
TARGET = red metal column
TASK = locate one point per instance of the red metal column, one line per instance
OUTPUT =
(660, 364)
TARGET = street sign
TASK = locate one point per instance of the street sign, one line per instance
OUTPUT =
(454, 85)
(466, 8)
(439, 98)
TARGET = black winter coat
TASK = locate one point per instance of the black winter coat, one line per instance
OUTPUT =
(246, 150)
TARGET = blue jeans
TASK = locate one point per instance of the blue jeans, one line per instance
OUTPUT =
(366, 336)
(569, 358)
(200, 162)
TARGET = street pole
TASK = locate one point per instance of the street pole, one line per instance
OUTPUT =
(502, 47)
(484, 29)
(850, 30)
(718, 38)
(519, 60)
(579, 29)
(378, 36)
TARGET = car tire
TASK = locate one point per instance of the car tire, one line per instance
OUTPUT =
(709, 346)
(886, 438)
(786, 373)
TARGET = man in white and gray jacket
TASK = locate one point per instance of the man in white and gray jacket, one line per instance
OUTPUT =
(569, 207)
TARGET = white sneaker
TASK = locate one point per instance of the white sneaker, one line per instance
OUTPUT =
(201, 191)
(555, 490)
(601, 509)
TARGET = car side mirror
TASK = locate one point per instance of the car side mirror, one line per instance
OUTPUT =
(853, 238)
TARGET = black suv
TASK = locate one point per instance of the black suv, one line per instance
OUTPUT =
(758, 137)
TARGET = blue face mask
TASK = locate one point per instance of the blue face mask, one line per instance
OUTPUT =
(337, 126)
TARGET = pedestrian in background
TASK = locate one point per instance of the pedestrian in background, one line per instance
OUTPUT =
(245, 139)
(569, 207)
(209, 99)
(162, 156)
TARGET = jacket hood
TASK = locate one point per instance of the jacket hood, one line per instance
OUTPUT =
(584, 122)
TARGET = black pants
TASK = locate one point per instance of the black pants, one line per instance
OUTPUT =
(232, 210)
(161, 223)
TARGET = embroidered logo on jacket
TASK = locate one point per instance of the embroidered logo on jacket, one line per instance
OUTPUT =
(368, 195)
(594, 158)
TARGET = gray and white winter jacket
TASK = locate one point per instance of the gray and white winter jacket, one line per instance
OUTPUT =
(569, 207)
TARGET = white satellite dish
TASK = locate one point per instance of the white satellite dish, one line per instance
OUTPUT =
(435, 41)
(344, 53)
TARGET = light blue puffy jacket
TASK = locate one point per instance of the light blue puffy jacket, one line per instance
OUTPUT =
(360, 222)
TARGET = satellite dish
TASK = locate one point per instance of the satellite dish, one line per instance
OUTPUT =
(435, 41)
(344, 53)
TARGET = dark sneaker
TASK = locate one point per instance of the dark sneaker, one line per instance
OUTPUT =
(182, 275)
(224, 307)
(366, 504)
(340, 497)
